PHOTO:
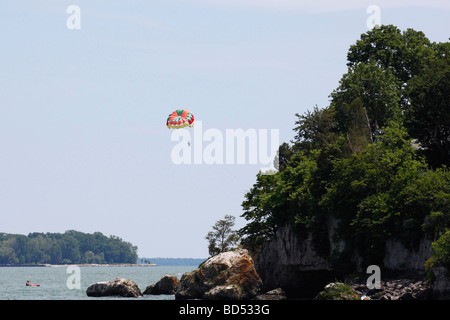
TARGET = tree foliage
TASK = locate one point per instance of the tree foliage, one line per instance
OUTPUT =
(377, 90)
(403, 53)
(428, 115)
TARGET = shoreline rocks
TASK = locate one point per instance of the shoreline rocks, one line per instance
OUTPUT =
(167, 285)
(232, 276)
(275, 294)
(396, 289)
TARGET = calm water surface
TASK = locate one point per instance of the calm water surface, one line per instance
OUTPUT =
(53, 281)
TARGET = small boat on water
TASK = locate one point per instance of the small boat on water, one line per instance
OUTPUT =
(28, 284)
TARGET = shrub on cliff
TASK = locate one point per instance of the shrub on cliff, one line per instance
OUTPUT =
(440, 253)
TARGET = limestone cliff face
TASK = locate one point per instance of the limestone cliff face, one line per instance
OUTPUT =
(294, 265)
(441, 283)
(397, 257)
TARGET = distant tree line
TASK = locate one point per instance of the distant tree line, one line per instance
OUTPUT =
(67, 248)
(171, 261)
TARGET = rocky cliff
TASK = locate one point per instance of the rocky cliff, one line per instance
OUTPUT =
(295, 265)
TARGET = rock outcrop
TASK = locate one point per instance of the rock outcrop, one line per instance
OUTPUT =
(293, 264)
(229, 275)
(117, 287)
(275, 294)
(398, 257)
(397, 289)
(167, 285)
(441, 282)
(296, 265)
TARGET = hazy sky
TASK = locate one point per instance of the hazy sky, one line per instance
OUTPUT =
(83, 141)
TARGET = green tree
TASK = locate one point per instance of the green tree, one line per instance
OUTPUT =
(428, 114)
(315, 129)
(404, 53)
(70, 248)
(259, 212)
(376, 88)
(359, 133)
(422, 71)
(223, 237)
(38, 248)
(283, 156)
(7, 253)
(367, 193)
(440, 252)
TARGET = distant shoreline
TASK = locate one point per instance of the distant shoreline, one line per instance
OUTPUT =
(82, 265)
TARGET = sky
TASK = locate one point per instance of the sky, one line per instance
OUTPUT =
(83, 138)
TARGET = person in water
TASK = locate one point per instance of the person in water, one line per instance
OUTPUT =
(28, 283)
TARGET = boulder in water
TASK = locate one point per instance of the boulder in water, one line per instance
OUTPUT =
(117, 287)
(228, 275)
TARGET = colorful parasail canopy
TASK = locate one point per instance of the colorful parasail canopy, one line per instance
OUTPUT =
(179, 119)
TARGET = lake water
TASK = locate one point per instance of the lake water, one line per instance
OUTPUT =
(53, 281)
